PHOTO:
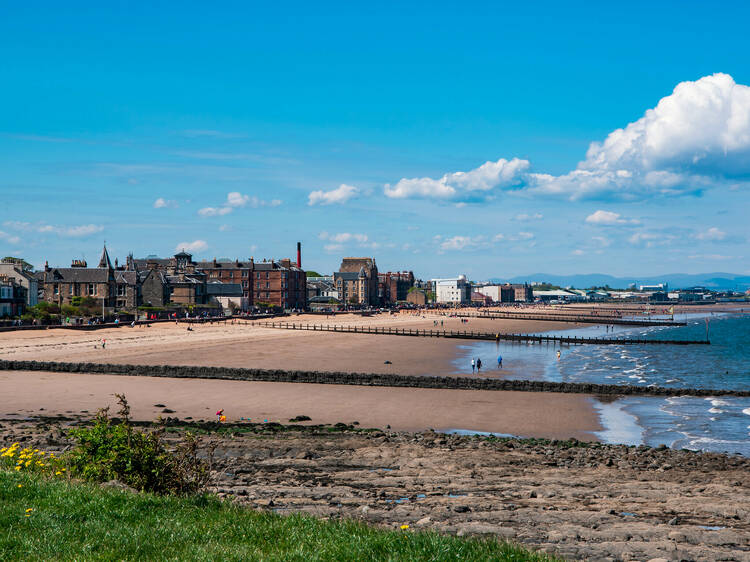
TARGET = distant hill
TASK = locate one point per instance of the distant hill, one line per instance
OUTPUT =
(714, 281)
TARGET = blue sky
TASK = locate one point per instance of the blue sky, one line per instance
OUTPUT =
(436, 137)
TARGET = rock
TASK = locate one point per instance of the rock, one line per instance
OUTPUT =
(117, 485)
(676, 536)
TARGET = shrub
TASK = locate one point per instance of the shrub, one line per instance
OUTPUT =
(116, 451)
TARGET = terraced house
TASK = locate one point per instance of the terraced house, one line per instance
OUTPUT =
(60, 285)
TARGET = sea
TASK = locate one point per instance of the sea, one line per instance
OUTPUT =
(718, 424)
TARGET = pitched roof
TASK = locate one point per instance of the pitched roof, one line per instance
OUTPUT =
(223, 265)
(104, 260)
(346, 275)
(78, 275)
(127, 277)
(224, 289)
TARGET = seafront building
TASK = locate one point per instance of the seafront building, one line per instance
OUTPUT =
(22, 275)
(394, 287)
(454, 290)
(175, 282)
(13, 297)
(357, 281)
(66, 285)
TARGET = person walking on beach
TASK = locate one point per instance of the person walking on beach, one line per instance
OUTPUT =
(479, 365)
(473, 364)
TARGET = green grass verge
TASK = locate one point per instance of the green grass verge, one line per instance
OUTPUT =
(84, 522)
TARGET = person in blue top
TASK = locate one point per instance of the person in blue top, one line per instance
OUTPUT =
(499, 361)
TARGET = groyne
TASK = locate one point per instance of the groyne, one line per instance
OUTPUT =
(471, 335)
(574, 318)
(359, 379)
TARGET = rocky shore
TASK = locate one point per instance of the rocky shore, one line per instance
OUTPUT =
(577, 500)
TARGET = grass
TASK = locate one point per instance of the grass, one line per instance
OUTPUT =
(84, 522)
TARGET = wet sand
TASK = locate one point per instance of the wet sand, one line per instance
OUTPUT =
(528, 414)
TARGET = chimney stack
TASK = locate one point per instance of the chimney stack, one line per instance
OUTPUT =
(299, 255)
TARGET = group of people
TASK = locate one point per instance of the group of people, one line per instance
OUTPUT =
(476, 364)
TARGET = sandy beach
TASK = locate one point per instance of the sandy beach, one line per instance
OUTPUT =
(559, 416)
(243, 344)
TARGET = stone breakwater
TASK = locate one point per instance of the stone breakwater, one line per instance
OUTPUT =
(360, 379)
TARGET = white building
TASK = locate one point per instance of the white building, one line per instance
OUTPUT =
(12, 268)
(456, 290)
(492, 291)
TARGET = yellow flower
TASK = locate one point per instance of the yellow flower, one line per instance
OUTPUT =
(404, 527)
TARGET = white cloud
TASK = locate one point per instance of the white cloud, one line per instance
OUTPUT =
(695, 138)
(235, 200)
(608, 218)
(520, 236)
(525, 217)
(194, 246)
(162, 203)
(214, 211)
(476, 183)
(9, 238)
(461, 242)
(338, 240)
(78, 231)
(712, 233)
(601, 241)
(341, 195)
